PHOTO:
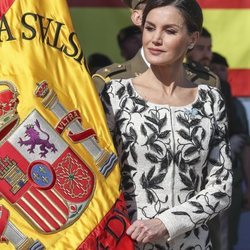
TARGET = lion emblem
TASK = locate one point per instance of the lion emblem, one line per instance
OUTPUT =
(33, 133)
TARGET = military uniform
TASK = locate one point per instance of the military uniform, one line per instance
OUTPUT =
(194, 72)
(129, 69)
(133, 3)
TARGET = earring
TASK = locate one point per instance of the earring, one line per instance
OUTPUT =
(191, 46)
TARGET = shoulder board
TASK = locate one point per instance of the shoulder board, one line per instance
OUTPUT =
(106, 73)
(199, 74)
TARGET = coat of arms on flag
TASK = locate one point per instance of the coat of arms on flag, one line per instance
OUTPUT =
(59, 177)
(45, 180)
(42, 176)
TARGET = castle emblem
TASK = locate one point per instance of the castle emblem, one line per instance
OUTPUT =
(42, 177)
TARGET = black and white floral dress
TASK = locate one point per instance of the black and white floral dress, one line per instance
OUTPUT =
(175, 161)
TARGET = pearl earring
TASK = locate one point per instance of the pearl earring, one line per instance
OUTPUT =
(191, 46)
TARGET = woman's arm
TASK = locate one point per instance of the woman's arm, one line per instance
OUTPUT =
(216, 194)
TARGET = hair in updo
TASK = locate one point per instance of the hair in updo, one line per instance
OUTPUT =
(189, 9)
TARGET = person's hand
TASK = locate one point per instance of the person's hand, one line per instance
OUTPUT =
(144, 231)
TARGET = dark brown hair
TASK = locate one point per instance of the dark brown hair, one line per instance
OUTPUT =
(190, 10)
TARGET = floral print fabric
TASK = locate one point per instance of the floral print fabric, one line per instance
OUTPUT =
(175, 161)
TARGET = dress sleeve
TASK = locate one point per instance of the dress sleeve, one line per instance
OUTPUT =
(215, 195)
(108, 101)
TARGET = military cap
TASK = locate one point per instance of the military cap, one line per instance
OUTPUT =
(133, 3)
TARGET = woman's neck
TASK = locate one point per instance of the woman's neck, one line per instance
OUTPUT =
(165, 85)
(167, 78)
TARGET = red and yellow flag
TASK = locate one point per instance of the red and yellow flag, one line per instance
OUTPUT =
(59, 180)
(229, 24)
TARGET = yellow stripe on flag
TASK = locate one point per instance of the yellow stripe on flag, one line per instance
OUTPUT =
(230, 34)
(38, 43)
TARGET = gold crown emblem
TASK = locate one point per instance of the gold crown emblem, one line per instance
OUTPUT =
(42, 89)
(8, 108)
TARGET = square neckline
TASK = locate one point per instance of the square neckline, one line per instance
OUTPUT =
(150, 103)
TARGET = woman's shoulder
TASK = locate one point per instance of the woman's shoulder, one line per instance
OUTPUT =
(120, 82)
(211, 90)
(118, 85)
(208, 87)
(116, 88)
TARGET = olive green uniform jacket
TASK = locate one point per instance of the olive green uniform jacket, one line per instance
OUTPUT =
(195, 72)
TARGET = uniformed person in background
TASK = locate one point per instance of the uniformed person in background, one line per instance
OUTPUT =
(202, 51)
(138, 64)
(130, 41)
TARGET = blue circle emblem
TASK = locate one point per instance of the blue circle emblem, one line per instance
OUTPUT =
(42, 175)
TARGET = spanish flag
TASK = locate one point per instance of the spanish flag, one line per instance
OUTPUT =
(59, 178)
(229, 24)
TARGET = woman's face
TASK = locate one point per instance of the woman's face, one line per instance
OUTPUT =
(165, 36)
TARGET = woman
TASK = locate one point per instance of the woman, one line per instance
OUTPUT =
(171, 136)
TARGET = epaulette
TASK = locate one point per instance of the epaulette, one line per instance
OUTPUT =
(106, 73)
(200, 74)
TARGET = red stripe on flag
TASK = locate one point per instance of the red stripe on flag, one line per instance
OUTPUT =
(4, 6)
(96, 3)
(53, 207)
(59, 204)
(224, 4)
(240, 82)
(51, 215)
(206, 4)
(39, 220)
(41, 212)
